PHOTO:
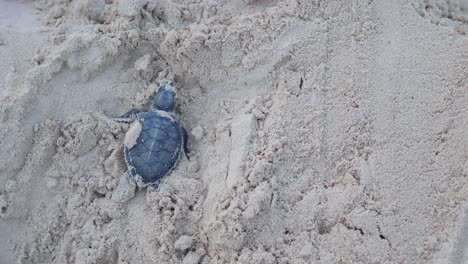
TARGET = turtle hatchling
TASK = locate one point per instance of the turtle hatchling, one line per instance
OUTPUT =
(154, 142)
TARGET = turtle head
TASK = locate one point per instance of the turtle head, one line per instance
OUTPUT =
(165, 99)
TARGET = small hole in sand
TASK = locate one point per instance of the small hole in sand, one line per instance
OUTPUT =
(99, 195)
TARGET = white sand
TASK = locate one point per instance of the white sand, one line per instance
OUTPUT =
(321, 131)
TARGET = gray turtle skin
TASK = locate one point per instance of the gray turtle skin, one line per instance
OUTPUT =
(156, 139)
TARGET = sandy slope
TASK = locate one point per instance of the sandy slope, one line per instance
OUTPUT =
(321, 131)
(19, 37)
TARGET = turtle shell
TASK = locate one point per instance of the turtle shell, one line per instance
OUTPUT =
(153, 149)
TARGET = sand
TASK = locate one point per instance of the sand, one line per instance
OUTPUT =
(320, 131)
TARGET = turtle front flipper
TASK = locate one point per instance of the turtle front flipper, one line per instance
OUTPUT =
(184, 141)
(128, 117)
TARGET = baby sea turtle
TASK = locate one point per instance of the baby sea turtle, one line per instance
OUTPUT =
(154, 142)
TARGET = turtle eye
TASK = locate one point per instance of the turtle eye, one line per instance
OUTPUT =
(167, 82)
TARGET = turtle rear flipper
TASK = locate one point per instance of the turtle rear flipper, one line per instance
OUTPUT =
(154, 186)
(128, 117)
